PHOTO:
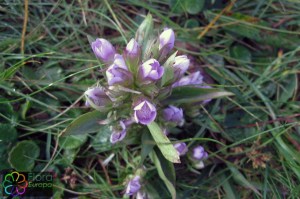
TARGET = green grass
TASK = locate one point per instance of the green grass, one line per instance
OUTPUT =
(253, 51)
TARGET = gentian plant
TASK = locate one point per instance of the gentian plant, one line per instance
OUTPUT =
(144, 93)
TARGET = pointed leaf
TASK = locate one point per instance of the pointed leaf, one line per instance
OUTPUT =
(190, 94)
(144, 30)
(168, 75)
(239, 178)
(162, 173)
(85, 123)
(163, 143)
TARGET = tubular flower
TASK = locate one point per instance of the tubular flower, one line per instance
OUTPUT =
(133, 186)
(192, 79)
(150, 71)
(117, 134)
(118, 72)
(199, 153)
(144, 112)
(181, 65)
(97, 97)
(181, 148)
(173, 114)
(132, 48)
(166, 40)
(103, 50)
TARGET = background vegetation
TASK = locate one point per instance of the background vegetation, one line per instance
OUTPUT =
(248, 47)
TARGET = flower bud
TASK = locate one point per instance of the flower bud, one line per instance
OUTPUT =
(192, 79)
(144, 112)
(181, 148)
(150, 71)
(199, 153)
(173, 114)
(133, 186)
(132, 48)
(96, 97)
(118, 133)
(181, 65)
(103, 50)
(166, 40)
(118, 72)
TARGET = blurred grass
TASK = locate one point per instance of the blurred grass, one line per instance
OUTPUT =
(252, 51)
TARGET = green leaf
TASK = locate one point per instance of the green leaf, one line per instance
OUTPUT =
(85, 123)
(240, 179)
(163, 143)
(191, 23)
(194, 6)
(168, 75)
(256, 29)
(52, 73)
(22, 156)
(164, 169)
(241, 54)
(190, 94)
(72, 141)
(236, 125)
(147, 145)
(68, 157)
(288, 88)
(100, 141)
(176, 6)
(228, 188)
(145, 30)
(8, 133)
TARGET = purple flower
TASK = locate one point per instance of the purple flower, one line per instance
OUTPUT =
(150, 71)
(199, 153)
(132, 48)
(181, 65)
(192, 79)
(181, 148)
(118, 133)
(173, 114)
(103, 50)
(144, 112)
(97, 96)
(166, 40)
(118, 72)
(133, 186)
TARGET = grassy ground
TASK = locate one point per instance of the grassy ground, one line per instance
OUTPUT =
(250, 48)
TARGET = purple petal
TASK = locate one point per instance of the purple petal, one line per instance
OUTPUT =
(173, 114)
(166, 40)
(103, 49)
(118, 72)
(199, 153)
(150, 71)
(144, 112)
(181, 65)
(117, 136)
(133, 186)
(192, 79)
(181, 148)
(97, 96)
(132, 48)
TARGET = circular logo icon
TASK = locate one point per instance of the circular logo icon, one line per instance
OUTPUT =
(14, 184)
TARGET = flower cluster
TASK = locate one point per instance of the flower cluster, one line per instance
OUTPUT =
(135, 86)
